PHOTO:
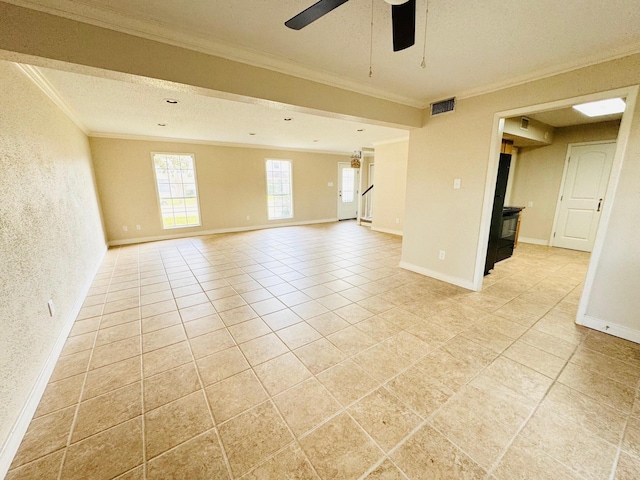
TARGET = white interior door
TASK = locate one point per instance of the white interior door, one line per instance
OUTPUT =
(347, 191)
(583, 194)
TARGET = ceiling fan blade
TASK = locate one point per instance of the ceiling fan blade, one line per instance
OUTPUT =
(403, 18)
(313, 13)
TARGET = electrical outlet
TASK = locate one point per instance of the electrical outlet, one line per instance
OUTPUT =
(397, 220)
(52, 308)
(330, 184)
(530, 204)
(456, 183)
(125, 228)
(441, 255)
(248, 217)
(138, 227)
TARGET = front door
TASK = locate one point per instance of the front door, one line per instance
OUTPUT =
(583, 194)
(347, 192)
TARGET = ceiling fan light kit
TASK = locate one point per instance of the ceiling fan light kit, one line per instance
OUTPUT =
(403, 14)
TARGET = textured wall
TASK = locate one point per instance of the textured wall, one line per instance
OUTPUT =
(538, 175)
(51, 236)
(231, 185)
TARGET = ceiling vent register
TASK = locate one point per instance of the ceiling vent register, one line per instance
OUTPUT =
(444, 106)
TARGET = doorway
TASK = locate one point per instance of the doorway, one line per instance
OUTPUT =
(347, 192)
(583, 191)
(629, 94)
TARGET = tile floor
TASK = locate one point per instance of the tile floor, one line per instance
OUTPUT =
(305, 353)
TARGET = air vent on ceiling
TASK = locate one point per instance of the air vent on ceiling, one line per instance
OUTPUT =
(524, 123)
(444, 106)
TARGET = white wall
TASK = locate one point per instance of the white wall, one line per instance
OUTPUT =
(51, 238)
(614, 303)
(458, 145)
(390, 186)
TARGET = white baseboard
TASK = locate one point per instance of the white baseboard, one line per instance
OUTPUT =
(611, 328)
(20, 426)
(201, 233)
(534, 241)
(460, 282)
(387, 230)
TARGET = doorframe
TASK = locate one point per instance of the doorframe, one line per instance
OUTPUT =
(564, 177)
(631, 94)
(357, 186)
(369, 203)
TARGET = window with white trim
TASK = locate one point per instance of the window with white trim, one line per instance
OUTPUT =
(279, 189)
(177, 190)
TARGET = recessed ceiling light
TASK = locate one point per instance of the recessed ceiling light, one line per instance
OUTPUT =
(361, 130)
(602, 107)
(172, 101)
(288, 119)
(162, 124)
(251, 133)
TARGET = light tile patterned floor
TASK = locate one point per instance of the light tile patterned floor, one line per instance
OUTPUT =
(306, 353)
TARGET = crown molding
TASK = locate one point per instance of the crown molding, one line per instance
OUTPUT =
(34, 74)
(541, 74)
(150, 138)
(168, 34)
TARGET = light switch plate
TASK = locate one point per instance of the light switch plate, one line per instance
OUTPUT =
(456, 183)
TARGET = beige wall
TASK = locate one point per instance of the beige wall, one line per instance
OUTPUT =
(390, 186)
(28, 32)
(51, 238)
(537, 131)
(538, 176)
(231, 185)
(458, 145)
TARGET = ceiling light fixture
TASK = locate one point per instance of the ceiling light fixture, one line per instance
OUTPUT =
(172, 101)
(162, 124)
(601, 108)
(360, 130)
(251, 133)
(356, 156)
(288, 119)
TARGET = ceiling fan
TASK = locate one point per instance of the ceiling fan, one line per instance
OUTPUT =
(403, 17)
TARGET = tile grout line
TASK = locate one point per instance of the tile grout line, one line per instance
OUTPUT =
(86, 374)
(200, 381)
(349, 357)
(616, 460)
(274, 406)
(142, 391)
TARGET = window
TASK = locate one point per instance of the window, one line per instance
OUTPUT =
(279, 189)
(348, 184)
(177, 192)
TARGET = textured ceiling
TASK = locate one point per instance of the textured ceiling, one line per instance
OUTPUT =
(472, 46)
(112, 107)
